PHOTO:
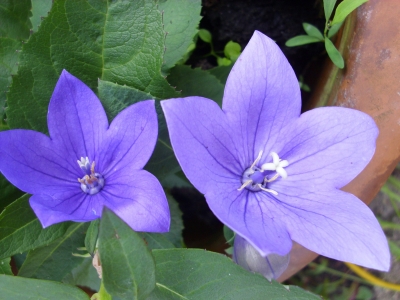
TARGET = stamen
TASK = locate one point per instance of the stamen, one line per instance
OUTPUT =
(92, 182)
(245, 184)
(272, 179)
(257, 160)
(268, 190)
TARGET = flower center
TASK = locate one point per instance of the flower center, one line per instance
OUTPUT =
(92, 182)
(256, 178)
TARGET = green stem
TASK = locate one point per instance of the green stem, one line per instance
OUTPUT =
(102, 294)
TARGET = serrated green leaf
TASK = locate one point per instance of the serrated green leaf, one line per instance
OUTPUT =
(205, 35)
(313, 31)
(127, 264)
(345, 8)
(221, 72)
(334, 53)
(40, 9)
(20, 230)
(301, 40)
(5, 267)
(8, 193)
(16, 288)
(14, 28)
(118, 41)
(14, 16)
(334, 29)
(328, 8)
(56, 260)
(232, 50)
(172, 238)
(195, 82)
(181, 19)
(115, 98)
(202, 275)
(91, 236)
(84, 275)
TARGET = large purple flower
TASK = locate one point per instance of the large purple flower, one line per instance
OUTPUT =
(86, 164)
(273, 175)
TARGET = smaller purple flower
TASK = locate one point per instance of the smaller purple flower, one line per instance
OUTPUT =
(86, 163)
(272, 174)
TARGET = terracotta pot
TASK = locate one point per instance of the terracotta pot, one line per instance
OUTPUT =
(370, 82)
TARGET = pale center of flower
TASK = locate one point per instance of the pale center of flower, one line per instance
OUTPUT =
(257, 178)
(92, 182)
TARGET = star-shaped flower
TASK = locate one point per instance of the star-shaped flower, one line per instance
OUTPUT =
(86, 164)
(274, 175)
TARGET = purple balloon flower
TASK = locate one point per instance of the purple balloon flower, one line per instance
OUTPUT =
(86, 164)
(273, 175)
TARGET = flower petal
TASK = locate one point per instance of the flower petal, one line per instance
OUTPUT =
(32, 162)
(202, 142)
(69, 205)
(326, 147)
(76, 118)
(252, 216)
(139, 200)
(261, 96)
(271, 267)
(130, 140)
(335, 224)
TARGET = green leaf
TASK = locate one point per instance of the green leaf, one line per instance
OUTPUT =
(40, 9)
(56, 260)
(119, 41)
(14, 16)
(16, 288)
(14, 28)
(345, 8)
(8, 192)
(91, 236)
(202, 275)
(20, 230)
(223, 61)
(116, 97)
(232, 50)
(127, 264)
(84, 275)
(205, 35)
(301, 40)
(334, 29)
(313, 31)
(329, 5)
(221, 72)
(195, 82)
(334, 54)
(181, 19)
(229, 235)
(5, 267)
(170, 239)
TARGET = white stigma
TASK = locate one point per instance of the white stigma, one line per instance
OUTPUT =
(277, 165)
(255, 179)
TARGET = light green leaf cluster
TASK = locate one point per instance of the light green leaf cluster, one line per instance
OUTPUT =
(332, 26)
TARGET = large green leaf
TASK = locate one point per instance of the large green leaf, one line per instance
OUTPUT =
(127, 264)
(8, 192)
(40, 9)
(172, 238)
(20, 230)
(5, 267)
(56, 260)
(181, 19)
(195, 82)
(17, 288)
(115, 98)
(117, 41)
(84, 275)
(202, 275)
(14, 28)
